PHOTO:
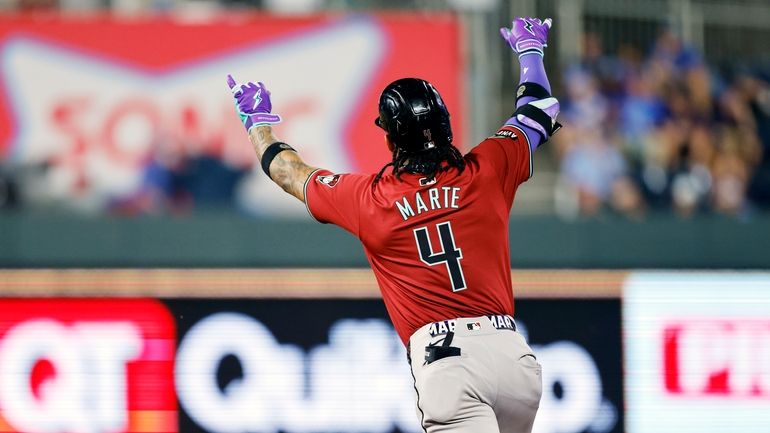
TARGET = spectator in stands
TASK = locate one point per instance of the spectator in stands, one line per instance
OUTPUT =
(592, 165)
(679, 141)
(9, 190)
(755, 92)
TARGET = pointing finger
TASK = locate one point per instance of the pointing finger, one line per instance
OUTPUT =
(230, 81)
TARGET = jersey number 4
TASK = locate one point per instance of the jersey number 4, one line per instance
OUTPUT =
(449, 254)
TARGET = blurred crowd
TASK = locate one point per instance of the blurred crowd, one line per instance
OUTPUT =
(662, 131)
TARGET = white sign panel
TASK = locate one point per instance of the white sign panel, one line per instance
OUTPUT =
(697, 352)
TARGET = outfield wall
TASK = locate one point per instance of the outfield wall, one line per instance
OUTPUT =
(227, 240)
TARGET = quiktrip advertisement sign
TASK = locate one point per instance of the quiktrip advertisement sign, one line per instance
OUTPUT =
(268, 365)
(338, 366)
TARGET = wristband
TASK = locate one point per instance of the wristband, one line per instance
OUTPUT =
(529, 46)
(271, 152)
(541, 116)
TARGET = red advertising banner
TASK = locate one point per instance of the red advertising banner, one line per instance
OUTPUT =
(79, 365)
(135, 115)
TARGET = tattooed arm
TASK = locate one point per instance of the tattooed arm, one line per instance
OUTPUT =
(252, 102)
(287, 169)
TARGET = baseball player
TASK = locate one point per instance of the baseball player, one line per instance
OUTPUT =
(435, 230)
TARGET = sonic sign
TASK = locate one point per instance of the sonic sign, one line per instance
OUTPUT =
(102, 112)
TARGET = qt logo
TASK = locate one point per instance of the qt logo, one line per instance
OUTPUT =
(86, 366)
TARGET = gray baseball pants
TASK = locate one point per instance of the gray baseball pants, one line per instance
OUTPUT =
(485, 380)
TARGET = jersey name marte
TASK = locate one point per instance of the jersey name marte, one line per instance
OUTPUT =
(444, 197)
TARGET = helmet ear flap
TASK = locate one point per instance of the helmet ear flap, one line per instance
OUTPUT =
(389, 142)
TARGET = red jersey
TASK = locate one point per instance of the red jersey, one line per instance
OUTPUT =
(438, 247)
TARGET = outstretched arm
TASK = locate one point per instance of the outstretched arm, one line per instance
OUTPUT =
(279, 160)
(536, 109)
(287, 169)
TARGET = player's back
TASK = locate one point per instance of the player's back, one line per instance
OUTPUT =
(439, 247)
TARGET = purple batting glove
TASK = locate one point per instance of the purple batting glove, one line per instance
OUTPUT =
(527, 35)
(253, 104)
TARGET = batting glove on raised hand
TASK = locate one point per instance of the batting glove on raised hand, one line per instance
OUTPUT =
(253, 104)
(527, 35)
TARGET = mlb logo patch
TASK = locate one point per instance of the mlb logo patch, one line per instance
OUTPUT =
(425, 181)
(474, 326)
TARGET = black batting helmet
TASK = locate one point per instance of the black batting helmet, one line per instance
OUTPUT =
(414, 115)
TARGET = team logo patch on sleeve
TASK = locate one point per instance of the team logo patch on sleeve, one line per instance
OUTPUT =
(329, 180)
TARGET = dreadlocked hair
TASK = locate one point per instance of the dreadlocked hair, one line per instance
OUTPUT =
(429, 163)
